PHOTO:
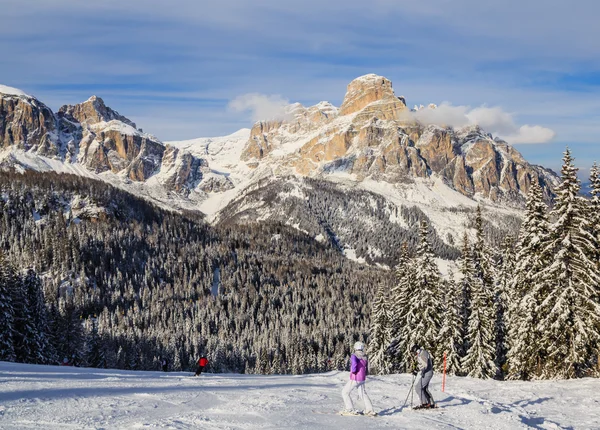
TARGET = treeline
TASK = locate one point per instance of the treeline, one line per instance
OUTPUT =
(125, 283)
(530, 310)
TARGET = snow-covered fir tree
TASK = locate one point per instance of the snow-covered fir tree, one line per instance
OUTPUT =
(24, 332)
(502, 299)
(381, 334)
(94, 353)
(7, 349)
(451, 334)
(478, 361)
(43, 350)
(399, 308)
(425, 301)
(570, 310)
(466, 282)
(525, 353)
(594, 208)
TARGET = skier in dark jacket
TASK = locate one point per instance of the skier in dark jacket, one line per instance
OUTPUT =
(165, 364)
(202, 363)
(425, 368)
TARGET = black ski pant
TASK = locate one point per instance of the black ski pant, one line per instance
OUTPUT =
(199, 371)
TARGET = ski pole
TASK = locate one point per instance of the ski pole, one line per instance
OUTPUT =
(410, 391)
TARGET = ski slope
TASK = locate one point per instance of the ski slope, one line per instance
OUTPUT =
(52, 397)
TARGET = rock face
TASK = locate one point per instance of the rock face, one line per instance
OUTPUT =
(28, 124)
(95, 136)
(93, 111)
(375, 94)
(373, 135)
(182, 171)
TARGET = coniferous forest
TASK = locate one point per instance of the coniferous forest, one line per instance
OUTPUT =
(104, 279)
(125, 283)
(528, 310)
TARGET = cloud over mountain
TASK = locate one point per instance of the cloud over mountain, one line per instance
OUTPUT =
(493, 119)
(261, 106)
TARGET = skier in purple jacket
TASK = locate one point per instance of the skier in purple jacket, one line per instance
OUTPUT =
(358, 375)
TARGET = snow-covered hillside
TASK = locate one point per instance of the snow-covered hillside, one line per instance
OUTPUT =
(53, 397)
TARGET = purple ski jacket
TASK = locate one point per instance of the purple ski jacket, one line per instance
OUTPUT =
(358, 366)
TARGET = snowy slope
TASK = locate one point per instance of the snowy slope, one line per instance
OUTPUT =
(53, 397)
(12, 91)
(223, 152)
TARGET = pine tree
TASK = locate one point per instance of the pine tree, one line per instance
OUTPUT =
(569, 311)
(424, 317)
(502, 299)
(466, 287)
(478, 361)
(94, 351)
(399, 309)
(525, 353)
(380, 334)
(43, 351)
(594, 210)
(7, 350)
(24, 332)
(451, 333)
(68, 333)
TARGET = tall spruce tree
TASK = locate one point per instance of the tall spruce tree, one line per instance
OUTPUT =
(525, 353)
(451, 333)
(25, 335)
(502, 299)
(94, 351)
(594, 209)
(425, 301)
(43, 350)
(399, 308)
(465, 284)
(480, 337)
(569, 311)
(380, 338)
(7, 349)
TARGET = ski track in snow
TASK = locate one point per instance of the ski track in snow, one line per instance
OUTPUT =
(53, 397)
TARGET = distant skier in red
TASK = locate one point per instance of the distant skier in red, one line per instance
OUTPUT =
(202, 363)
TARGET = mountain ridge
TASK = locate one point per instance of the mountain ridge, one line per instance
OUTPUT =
(371, 143)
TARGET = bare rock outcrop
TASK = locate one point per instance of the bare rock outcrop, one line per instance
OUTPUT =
(374, 134)
(28, 124)
(93, 111)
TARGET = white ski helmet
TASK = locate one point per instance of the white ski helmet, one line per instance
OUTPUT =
(359, 346)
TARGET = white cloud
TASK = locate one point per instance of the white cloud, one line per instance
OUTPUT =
(492, 119)
(530, 134)
(261, 106)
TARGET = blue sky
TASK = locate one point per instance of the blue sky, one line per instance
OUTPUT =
(175, 66)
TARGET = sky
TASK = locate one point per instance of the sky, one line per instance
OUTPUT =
(181, 69)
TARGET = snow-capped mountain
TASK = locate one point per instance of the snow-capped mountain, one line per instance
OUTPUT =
(370, 156)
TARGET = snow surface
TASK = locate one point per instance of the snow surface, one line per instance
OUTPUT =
(53, 397)
(221, 152)
(12, 91)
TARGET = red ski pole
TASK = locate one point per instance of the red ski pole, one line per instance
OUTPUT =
(444, 375)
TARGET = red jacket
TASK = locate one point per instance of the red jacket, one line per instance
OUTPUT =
(203, 362)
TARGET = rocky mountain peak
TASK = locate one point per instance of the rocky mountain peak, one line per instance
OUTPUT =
(368, 89)
(373, 135)
(27, 124)
(93, 111)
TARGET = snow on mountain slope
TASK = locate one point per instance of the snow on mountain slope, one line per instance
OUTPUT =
(52, 397)
(12, 91)
(221, 151)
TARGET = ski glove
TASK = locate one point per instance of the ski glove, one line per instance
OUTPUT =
(414, 372)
